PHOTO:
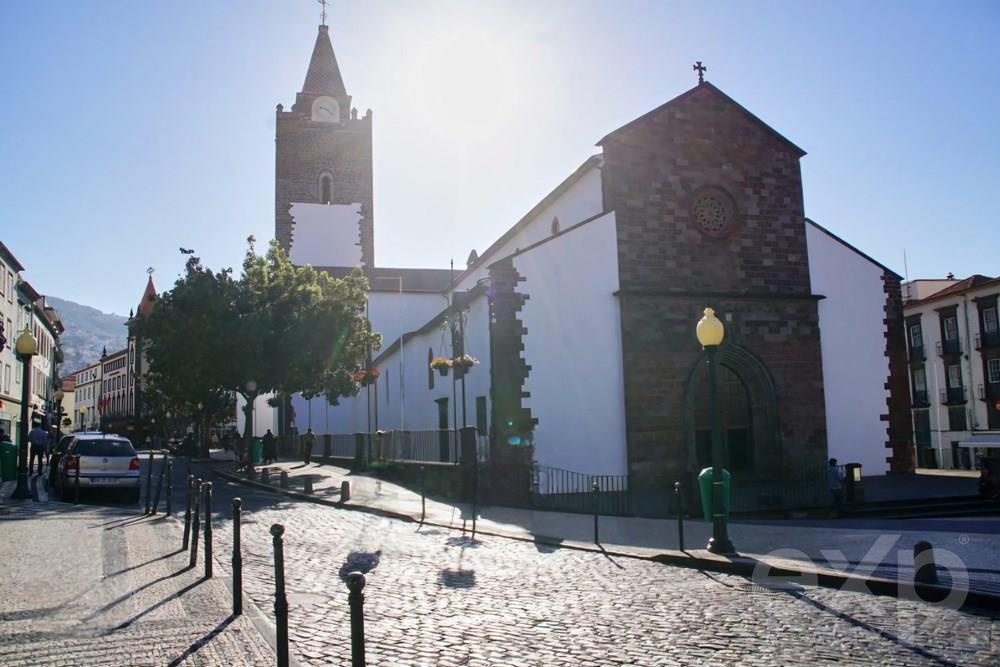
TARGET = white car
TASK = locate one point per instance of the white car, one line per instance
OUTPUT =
(100, 461)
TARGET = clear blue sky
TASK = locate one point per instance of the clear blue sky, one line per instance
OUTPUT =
(130, 128)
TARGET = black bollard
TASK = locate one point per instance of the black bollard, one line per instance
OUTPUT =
(924, 569)
(149, 481)
(170, 486)
(345, 491)
(207, 486)
(187, 513)
(76, 483)
(237, 558)
(159, 486)
(280, 601)
(308, 484)
(283, 479)
(680, 515)
(195, 522)
(423, 493)
(356, 600)
(265, 475)
(596, 491)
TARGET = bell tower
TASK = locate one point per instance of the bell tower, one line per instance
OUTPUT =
(323, 170)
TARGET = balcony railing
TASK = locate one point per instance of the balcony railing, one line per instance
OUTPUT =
(953, 395)
(922, 438)
(982, 392)
(920, 398)
(953, 346)
(917, 353)
(987, 339)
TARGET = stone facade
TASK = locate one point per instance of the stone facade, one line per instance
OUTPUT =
(753, 270)
(307, 149)
(899, 422)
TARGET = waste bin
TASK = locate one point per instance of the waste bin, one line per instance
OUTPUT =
(705, 486)
(257, 451)
(852, 483)
(8, 461)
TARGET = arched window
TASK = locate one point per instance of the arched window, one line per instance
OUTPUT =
(555, 225)
(326, 189)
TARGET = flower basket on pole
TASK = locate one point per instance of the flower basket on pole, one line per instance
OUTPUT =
(441, 365)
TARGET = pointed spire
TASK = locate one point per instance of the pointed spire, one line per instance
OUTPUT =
(323, 77)
(148, 297)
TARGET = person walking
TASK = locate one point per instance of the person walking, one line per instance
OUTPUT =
(835, 482)
(308, 440)
(39, 440)
(270, 451)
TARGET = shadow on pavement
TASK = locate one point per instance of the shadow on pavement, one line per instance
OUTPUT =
(148, 562)
(172, 596)
(193, 648)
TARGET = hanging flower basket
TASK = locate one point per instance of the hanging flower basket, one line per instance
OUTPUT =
(441, 365)
(464, 361)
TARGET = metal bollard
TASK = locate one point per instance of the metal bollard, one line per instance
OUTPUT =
(356, 600)
(345, 491)
(265, 475)
(678, 498)
(207, 486)
(596, 491)
(170, 485)
(195, 522)
(237, 558)
(149, 481)
(924, 569)
(308, 484)
(76, 483)
(280, 601)
(423, 493)
(283, 479)
(187, 513)
(159, 486)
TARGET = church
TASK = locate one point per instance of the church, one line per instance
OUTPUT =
(569, 342)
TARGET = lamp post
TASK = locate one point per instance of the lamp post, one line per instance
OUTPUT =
(710, 332)
(26, 347)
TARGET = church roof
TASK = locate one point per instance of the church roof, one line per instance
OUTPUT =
(323, 77)
(851, 247)
(719, 93)
(148, 298)
(384, 279)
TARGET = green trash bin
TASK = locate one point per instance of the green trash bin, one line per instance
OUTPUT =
(257, 451)
(8, 461)
(705, 486)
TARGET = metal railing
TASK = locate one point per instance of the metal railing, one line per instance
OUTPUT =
(805, 487)
(949, 346)
(568, 491)
(343, 445)
(429, 446)
(952, 395)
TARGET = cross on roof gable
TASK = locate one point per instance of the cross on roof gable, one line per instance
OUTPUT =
(706, 86)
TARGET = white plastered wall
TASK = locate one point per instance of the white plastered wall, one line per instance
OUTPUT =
(573, 346)
(852, 338)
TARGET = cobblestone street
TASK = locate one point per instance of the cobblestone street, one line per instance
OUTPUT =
(435, 598)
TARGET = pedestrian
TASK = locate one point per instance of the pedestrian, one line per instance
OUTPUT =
(39, 440)
(835, 482)
(270, 451)
(308, 440)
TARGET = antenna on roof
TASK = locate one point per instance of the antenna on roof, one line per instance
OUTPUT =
(906, 269)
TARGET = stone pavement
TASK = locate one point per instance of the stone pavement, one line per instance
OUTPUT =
(882, 548)
(435, 597)
(91, 585)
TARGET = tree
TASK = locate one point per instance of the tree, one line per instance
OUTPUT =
(280, 328)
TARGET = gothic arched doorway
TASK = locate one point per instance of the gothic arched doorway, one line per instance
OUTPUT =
(748, 411)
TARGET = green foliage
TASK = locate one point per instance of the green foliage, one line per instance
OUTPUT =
(289, 329)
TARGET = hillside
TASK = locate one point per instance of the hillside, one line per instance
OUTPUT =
(88, 331)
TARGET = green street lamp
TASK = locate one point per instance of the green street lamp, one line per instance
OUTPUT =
(710, 332)
(26, 347)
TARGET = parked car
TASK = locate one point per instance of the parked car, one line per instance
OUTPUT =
(102, 461)
(56, 454)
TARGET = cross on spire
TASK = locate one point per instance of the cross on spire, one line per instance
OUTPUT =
(323, 12)
(700, 69)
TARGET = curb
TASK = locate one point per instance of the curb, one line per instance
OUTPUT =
(739, 565)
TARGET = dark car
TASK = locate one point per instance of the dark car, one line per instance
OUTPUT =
(55, 455)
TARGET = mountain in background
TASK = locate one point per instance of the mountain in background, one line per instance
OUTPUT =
(88, 331)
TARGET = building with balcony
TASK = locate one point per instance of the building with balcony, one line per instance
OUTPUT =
(953, 348)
